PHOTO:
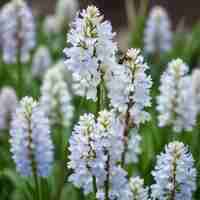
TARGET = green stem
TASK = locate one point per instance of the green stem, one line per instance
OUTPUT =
(94, 184)
(33, 162)
(61, 156)
(19, 77)
(37, 186)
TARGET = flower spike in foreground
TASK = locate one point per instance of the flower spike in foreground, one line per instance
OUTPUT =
(174, 174)
(18, 31)
(31, 145)
(129, 87)
(157, 35)
(90, 49)
(137, 187)
(176, 103)
(95, 151)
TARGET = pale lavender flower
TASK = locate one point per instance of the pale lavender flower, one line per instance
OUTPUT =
(95, 148)
(139, 191)
(196, 87)
(133, 147)
(66, 10)
(18, 31)
(56, 98)
(129, 87)
(176, 103)
(174, 174)
(8, 103)
(119, 185)
(50, 25)
(90, 49)
(31, 145)
(157, 34)
(41, 61)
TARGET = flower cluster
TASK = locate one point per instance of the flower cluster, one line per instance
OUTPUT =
(56, 98)
(31, 145)
(196, 87)
(176, 103)
(95, 148)
(18, 31)
(137, 187)
(91, 49)
(129, 87)
(157, 35)
(41, 62)
(174, 174)
(8, 103)
(65, 12)
(133, 147)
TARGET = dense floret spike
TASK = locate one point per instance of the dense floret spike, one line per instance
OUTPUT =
(157, 34)
(129, 87)
(90, 51)
(56, 98)
(140, 192)
(174, 174)
(42, 61)
(18, 31)
(31, 145)
(176, 103)
(95, 151)
(196, 87)
(8, 104)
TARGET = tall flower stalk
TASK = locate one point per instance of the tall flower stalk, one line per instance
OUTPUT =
(90, 51)
(174, 174)
(158, 34)
(95, 151)
(56, 100)
(31, 144)
(18, 36)
(129, 92)
(176, 103)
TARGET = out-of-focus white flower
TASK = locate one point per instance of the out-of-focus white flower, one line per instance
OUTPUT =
(56, 98)
(196, 87)
(90, 50)
(66, 10)
(18, 31)
(95, 148)
(41, 62)
(50, 24)
(129, 87)
(158, 35)
(8, 103)
(133, 147)
(31, 144)
(64, 13)
(137, 187)
(176, 103)
(174, 174)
